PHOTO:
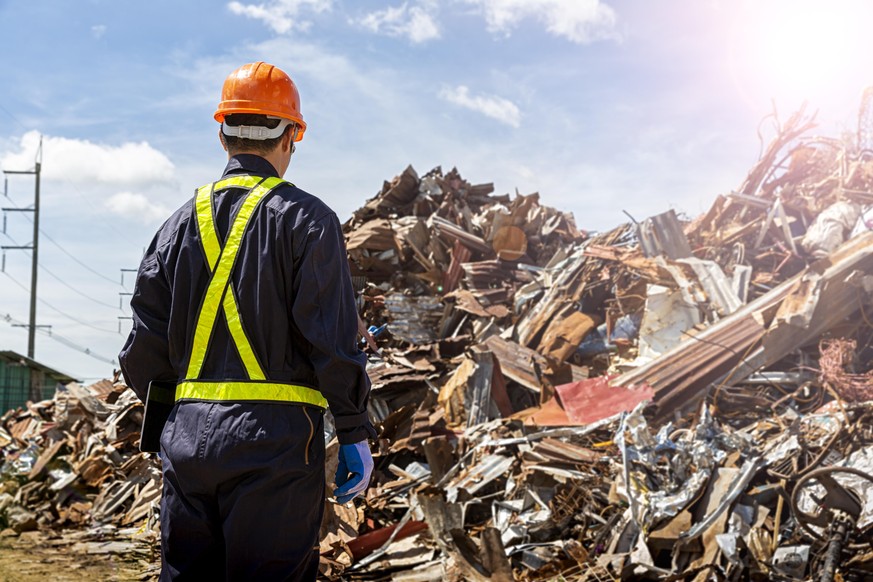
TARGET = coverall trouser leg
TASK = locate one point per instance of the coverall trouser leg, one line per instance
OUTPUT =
(243, 495)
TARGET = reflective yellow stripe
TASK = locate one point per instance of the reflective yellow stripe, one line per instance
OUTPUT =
(205, 220)
(212, 249)
(239, 182)
(221, 293)
(206, 226)
(221, 275)
(242, 391)
(243, 346)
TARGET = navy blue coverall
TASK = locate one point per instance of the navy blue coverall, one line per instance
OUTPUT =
(244, 481)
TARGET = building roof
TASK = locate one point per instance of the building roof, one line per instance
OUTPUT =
(33, 364)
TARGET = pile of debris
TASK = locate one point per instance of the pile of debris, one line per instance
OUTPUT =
(669, 400)
(638, 403)
(73, 463)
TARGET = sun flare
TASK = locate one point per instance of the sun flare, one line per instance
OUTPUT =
(800, 49)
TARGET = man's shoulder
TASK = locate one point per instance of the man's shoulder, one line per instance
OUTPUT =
(177, 221)
(292, 201)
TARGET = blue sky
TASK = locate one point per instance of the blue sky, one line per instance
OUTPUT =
(601, 107)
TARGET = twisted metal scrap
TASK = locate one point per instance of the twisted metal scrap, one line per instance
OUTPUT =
(836, 356)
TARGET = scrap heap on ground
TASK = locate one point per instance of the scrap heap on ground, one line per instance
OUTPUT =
(670, 400)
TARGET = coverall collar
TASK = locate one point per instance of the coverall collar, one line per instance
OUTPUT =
(249, 164)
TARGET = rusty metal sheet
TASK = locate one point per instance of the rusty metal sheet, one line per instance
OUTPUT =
(517, 362)
(595, 399)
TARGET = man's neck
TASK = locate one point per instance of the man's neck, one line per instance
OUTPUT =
(274, 157)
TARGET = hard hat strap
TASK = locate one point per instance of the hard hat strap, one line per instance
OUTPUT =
(256, 132)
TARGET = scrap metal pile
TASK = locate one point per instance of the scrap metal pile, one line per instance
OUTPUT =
(72, 476)
(635, 404)
(669, 400)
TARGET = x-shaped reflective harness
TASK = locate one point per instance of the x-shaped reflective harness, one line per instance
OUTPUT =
(220, 293)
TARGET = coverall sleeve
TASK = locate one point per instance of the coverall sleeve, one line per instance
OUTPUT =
(145, 355)
(324, 311)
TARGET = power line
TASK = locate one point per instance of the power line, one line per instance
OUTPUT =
(52, 307)
(66, 252)
(74, 290)
(15, 119)
(102, 276)
(62, 340)
(124, 236)
(64, 282)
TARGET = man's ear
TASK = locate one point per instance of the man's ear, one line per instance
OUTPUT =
(221, 139)
(286, 138)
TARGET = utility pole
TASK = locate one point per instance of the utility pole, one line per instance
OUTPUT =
(123, 271)
(120, 300)
(34, 246)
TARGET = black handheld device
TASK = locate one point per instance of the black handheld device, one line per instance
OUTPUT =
(159, 402)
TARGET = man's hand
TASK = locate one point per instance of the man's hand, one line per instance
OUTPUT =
(353, 471)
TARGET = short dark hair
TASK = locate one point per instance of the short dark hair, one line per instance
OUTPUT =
(262, 146)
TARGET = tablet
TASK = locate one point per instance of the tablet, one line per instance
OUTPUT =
(159, 403)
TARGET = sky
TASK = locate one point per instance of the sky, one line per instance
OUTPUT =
(606, 108)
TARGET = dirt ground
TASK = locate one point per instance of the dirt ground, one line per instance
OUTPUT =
(28, 558)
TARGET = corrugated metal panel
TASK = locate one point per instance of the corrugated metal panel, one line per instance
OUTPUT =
(594, 399)
(414, 319)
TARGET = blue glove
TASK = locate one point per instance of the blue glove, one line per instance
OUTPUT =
(353, 471)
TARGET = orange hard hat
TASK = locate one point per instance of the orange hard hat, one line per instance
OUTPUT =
(263, 89)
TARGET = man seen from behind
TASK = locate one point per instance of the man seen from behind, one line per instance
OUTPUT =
(244, 303)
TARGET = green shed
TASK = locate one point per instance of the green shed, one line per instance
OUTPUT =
(23, 379)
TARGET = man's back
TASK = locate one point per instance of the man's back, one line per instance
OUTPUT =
(244, 302)
(272, 276)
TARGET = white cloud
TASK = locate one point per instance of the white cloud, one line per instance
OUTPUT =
(281, 15)
(136, 206)
(98, 30)
(498, 108)
(77, 160)
(417, 23)
(525, 172)
(580, 21)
